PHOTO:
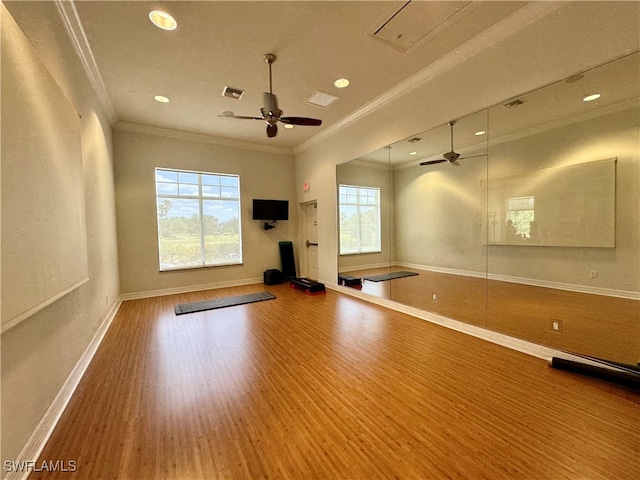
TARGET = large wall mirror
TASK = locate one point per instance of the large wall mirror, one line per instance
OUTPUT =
(522, 218)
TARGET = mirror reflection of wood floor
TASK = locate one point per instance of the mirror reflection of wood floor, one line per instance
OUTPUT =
(330, 387)
(598, 325)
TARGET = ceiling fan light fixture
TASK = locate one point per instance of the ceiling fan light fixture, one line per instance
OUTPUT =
(163, 20)
(341, 83)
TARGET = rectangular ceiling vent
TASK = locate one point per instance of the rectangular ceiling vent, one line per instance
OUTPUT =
(516, 102)
(232, 92)
(321, 99)
(414, 140)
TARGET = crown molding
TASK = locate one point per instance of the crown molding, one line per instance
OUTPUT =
(75, 32)
(502, 30)
(198, 137)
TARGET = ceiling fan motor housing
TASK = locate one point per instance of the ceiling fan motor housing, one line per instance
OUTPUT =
(271, 114)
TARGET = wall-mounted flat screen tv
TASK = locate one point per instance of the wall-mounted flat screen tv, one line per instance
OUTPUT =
(270, 209)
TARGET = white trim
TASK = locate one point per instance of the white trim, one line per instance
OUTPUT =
(200, 138)
(190, 288)
(40, 436)
(523, 17)
(608, 292)
(78, 38)
(517, 344)
(24, 315)
(450, 271)
(365, 267)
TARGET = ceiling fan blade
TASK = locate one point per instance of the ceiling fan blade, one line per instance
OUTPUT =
(433, 162)
(272, 130)
(241, 117)
(312, 122)
(472, 156)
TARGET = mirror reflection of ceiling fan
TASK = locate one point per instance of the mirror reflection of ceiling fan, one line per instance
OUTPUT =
(271, 113)
(451, 156)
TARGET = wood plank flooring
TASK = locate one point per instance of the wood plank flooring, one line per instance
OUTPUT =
(330, 387)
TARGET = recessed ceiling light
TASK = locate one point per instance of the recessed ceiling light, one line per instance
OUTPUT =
(413, 153)
(341, 83)
(163, 20)
(593, 96)
(479, 133)
(161, 99)
(289, 125)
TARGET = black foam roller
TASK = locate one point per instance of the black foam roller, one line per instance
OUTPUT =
(629, 380)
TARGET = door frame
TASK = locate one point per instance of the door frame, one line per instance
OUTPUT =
(305, 255)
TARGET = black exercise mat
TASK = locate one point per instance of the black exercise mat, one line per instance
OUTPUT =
(389, 276)
(222, 303)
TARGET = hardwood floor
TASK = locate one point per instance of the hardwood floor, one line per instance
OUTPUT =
(330, 387)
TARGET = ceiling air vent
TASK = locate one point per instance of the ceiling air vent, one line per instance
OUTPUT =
(232, 92)
(514, 103)
(414, 140)
(321, 99)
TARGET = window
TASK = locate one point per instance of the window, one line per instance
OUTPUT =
(359, 219)
(520, 216)
(198, 219)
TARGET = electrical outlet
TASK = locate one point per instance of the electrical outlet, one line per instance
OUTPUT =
(556, 325)
(594, 274)
(434, 297)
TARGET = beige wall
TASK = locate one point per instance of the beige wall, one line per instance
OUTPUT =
(613, 135)
(39, 353)
(262, 175)
(442, 207)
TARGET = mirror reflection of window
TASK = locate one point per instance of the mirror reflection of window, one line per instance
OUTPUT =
(520, 218)
(359, 219)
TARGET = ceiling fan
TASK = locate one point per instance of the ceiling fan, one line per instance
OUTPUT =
(271, 113)
(451, 157)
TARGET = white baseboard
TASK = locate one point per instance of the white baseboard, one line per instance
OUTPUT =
(191, 288)
(517, 344)
(366, 267)
(479, 332)
(449, 271)
(609, 292)
(39, 438)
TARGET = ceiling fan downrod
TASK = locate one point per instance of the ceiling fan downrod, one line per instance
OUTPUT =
(270, 58)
